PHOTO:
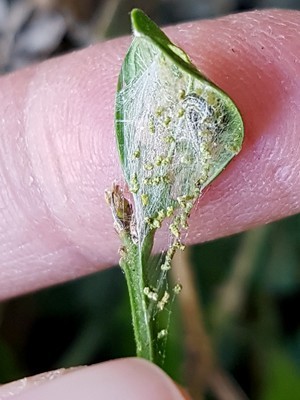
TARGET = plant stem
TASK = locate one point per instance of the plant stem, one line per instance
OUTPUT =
(203, 370)
(200, 359)
(234, 291)
(132, 263)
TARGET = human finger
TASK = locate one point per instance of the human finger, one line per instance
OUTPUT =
(58, 152)
(113, 380)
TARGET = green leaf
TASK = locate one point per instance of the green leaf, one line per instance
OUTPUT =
(176, 131)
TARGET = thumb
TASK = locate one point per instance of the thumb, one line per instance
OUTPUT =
(132, 379)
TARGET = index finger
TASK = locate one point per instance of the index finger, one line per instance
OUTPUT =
(58, 152)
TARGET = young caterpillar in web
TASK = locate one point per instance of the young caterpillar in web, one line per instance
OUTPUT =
(173, 141)
(176, 131)
(173, 147)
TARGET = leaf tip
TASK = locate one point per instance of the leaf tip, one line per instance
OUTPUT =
(138, 21)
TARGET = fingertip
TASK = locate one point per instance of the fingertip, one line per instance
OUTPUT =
(123, 379)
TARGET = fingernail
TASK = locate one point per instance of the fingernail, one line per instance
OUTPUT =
(184, 393)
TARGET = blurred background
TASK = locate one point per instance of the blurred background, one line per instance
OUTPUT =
(248, 285)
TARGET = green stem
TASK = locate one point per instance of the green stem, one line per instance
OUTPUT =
(132, 263)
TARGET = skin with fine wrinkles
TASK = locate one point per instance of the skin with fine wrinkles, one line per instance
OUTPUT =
(58, 152)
